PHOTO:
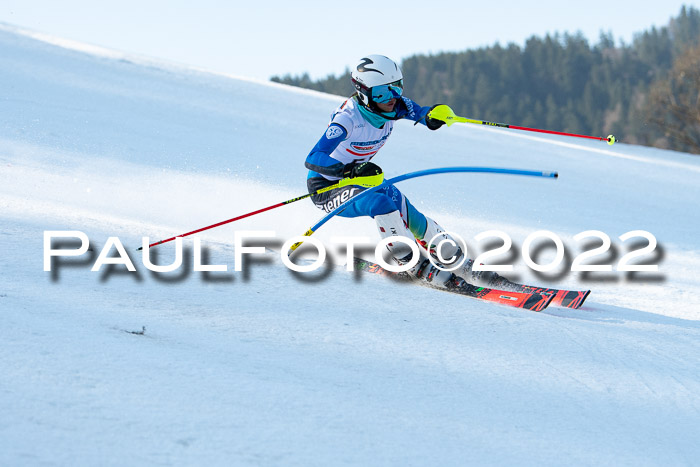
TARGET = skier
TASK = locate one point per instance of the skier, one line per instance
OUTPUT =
(356, 132)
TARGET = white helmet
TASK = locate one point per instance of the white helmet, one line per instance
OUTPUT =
(380, 73)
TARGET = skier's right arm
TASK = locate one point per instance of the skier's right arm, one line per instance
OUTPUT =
(320, 160)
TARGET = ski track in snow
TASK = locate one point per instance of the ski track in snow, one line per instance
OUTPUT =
(264, 366)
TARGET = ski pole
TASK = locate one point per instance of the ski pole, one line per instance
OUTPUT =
(408, 176)
(444, 113)
(362, 181)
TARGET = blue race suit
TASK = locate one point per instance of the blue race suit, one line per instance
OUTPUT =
(354, 135)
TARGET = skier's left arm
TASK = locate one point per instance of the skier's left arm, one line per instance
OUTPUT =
(412, 111)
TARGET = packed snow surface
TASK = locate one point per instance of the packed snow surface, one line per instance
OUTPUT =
(268, 367)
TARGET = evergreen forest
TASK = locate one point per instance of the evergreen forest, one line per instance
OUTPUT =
(645, 92)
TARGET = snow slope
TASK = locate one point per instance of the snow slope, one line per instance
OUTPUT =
(268, 367)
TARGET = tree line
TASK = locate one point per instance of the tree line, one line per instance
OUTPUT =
(645, 92)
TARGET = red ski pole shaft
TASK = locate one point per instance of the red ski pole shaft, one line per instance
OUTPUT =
(243, 216)
(446, 114)
(551, 132)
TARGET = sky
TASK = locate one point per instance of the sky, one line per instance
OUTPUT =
(263, 39)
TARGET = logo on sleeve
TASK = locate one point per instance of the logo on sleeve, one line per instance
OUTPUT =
(334, 132)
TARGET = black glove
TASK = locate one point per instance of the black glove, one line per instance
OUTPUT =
(432, 123)
(363, 169)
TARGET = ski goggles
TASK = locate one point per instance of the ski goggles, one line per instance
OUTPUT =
(386, 92)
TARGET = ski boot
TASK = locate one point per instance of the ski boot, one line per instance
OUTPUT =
(451, 253)
(425, 270)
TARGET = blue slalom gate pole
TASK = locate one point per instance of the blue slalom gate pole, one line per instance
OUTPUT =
(420, 173)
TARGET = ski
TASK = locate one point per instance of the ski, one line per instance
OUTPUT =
(562, 298)
(527, 300)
